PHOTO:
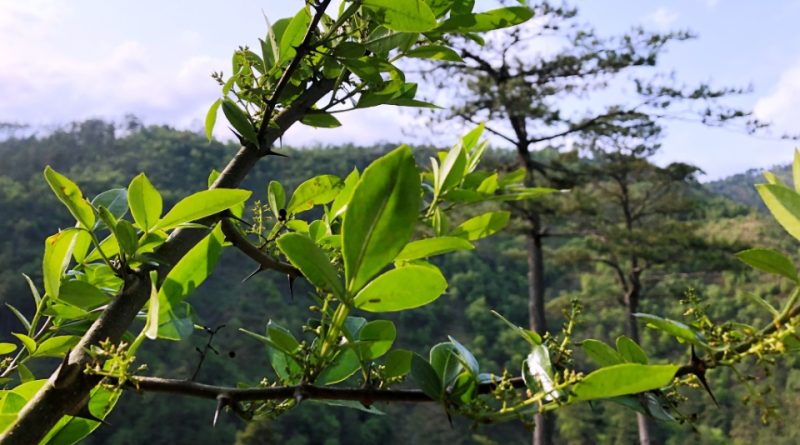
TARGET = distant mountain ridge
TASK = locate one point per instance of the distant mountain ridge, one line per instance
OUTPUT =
(740, 187)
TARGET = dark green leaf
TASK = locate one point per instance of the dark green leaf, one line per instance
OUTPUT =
(487, 21)
(82, 294)
(321, 119)
(376, 338)
(770, 261)
(239, 120)
(293, 35)
(601, 353)
(114, 200)
(672, 327)
(397, 363)
(435, 52)
(56, 346)
(426, 377)
(343, 366)
(630, 351)
(444, 360)
(126, 237)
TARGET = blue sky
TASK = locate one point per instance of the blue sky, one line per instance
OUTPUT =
(70, 60)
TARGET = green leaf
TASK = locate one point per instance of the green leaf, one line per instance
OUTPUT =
(529, 336)
(70, 195)
(56, 259)
(276, 197)
(201, 204)
(380, 217)
(784, 204)
(538, 367)
(344, 365)
(293, 35)
(305, 255)
(145, 202)
(432, 246)
(444, 360)
(56, 346)
(175, 317)
(404, 15)
(126, 237)
(29, 343)
(345, 194)
(630, 351)
(321, 119)
(402, 288)
(487, 21)
(674, 328)
(37, 298)
(239, 120)
(281, 338)
(483, 225)
(376, 338)
(114, 200)
(770, 261)
(315, 191)
(601, 353)
(24, 321)
(466, 357)
(626, 378)
(211, 119)
(397, 363)
(151, 324)
(426, 377)
(7, 348)
(435, 52)
(82, 294)
(452, 170)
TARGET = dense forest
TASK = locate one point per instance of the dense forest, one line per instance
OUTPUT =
(722, 217)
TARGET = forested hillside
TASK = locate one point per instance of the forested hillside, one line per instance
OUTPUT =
(100, 156)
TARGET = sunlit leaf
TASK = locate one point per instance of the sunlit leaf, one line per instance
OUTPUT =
(626, 378)
(400, 289)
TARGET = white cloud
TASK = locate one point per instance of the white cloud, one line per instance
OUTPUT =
(662, 18)
(782, 105)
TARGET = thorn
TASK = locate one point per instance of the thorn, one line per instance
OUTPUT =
(222, 401)
(253, 274)
(275, 153)
(291, 284)
(699, 371)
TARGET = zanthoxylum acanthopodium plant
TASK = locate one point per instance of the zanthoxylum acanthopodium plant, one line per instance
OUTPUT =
(366, 253)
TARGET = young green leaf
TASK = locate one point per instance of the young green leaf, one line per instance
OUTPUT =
(432, 246)
(529, 336)
(281, 338)
(114, 200)
(201, 204)
(400, 289)
(487, 21)
(276, 197)
(7, 348)
(483, 225)
(315, 191)
(56, 346)
(211, 119)
(380, 217)
(29, 343)
(626, 378)
(145, 202)
(339, 204)
(126, 237)
(56, 259)
(70, 195)
(770, 261)
(466, 357)
(344, 365)
(312, 262)
(452, 170)
(293, 35)
(784, 204)
(404, 15)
